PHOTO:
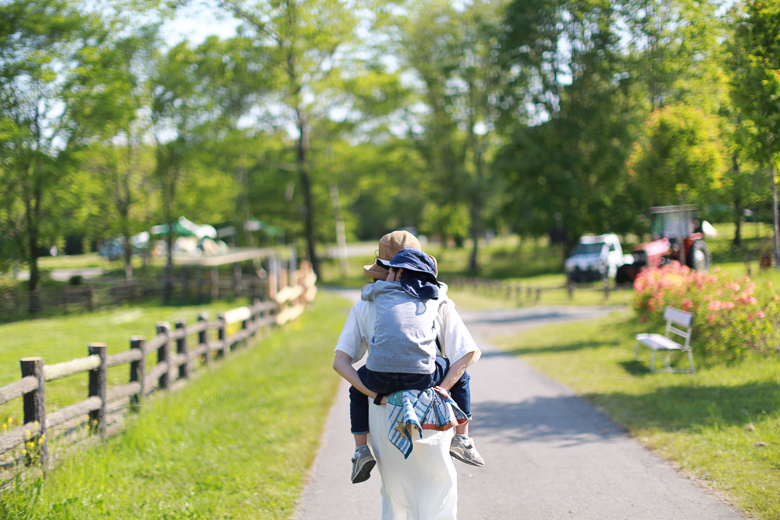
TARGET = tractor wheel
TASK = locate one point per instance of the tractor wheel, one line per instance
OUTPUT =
(626, 273)
(699, 257)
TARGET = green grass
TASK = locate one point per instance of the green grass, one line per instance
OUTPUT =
(708, 424)
(64, 338)
(482, 299)
(75, 261)
(236, 443)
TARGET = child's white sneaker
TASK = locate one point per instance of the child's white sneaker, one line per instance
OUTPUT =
(362, 464)
(463, 449)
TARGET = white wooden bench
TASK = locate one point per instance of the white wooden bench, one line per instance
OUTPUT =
(678, 323)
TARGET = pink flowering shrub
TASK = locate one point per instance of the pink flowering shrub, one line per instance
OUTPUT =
(731, 317)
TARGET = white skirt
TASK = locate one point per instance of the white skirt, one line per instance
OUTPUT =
(422, 487)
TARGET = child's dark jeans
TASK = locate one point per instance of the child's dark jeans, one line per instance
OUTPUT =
(389, 382)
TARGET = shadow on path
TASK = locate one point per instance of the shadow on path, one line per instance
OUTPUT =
(566, 419)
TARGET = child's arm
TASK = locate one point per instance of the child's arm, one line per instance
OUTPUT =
(343, 366)
(455, 372)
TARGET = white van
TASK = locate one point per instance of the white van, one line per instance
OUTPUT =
(594, 258)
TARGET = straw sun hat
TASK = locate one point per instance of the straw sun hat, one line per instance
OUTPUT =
(389, 246)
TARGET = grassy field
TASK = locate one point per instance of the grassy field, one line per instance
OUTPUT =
(237, 442)
(234, 444)
(721, 425)
(64, 338)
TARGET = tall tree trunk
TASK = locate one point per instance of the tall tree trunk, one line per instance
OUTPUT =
(476, 232)
(128, 254)
(737, 242)
(304, 175)
(476, 214)
(475, 211)
(168, 214)
(34, 280)
(32, 217)
(242, 179)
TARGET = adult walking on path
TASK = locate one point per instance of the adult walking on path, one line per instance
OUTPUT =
(414, 318)
(550, 454)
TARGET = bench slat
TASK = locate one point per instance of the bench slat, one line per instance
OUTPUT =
(658, 342)
(677, 316)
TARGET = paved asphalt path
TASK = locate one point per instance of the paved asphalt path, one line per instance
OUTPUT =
(549, 454)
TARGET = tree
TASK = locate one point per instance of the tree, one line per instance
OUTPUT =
(755, 60)
(183, 112)
(43, 45)
(673, 50)
(454, 54)
(117, 162)
(678, 156)
(236, 73)
(306, 41)
(574, 117)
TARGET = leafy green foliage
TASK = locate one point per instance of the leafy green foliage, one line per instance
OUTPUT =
(733, 316)
(41, 49)
(678, 155)
(754, 62)
(453, 54)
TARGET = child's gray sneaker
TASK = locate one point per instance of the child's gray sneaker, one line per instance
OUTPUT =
(462, 448)
(362, 464)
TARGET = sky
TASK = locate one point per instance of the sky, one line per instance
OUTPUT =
(196, 23)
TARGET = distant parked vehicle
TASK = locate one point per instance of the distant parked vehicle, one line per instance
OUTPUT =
(677, 235)
(595, 257)
(111, 249)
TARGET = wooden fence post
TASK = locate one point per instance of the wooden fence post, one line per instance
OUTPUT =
(237, 280)
(35, 406)
(282, 274)
(199, 282)
(214, 283)
(138, 371)
(163, 355)
(184, 276)
(203, 337)
(255, 316)
(181, 348)
(98, 387)
(222, 336)
(91, 300)
(273, 285)
(252, 289)
(244, 328)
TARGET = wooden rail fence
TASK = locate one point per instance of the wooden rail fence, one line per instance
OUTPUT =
(190, 282)
(179, 352)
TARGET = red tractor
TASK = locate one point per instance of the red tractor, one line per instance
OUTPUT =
(678, 234)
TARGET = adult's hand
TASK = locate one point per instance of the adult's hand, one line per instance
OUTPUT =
(342, 364)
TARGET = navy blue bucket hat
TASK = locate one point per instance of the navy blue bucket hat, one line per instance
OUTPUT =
(419, 275)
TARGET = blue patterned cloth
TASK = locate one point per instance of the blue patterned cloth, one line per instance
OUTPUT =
(418, 410)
